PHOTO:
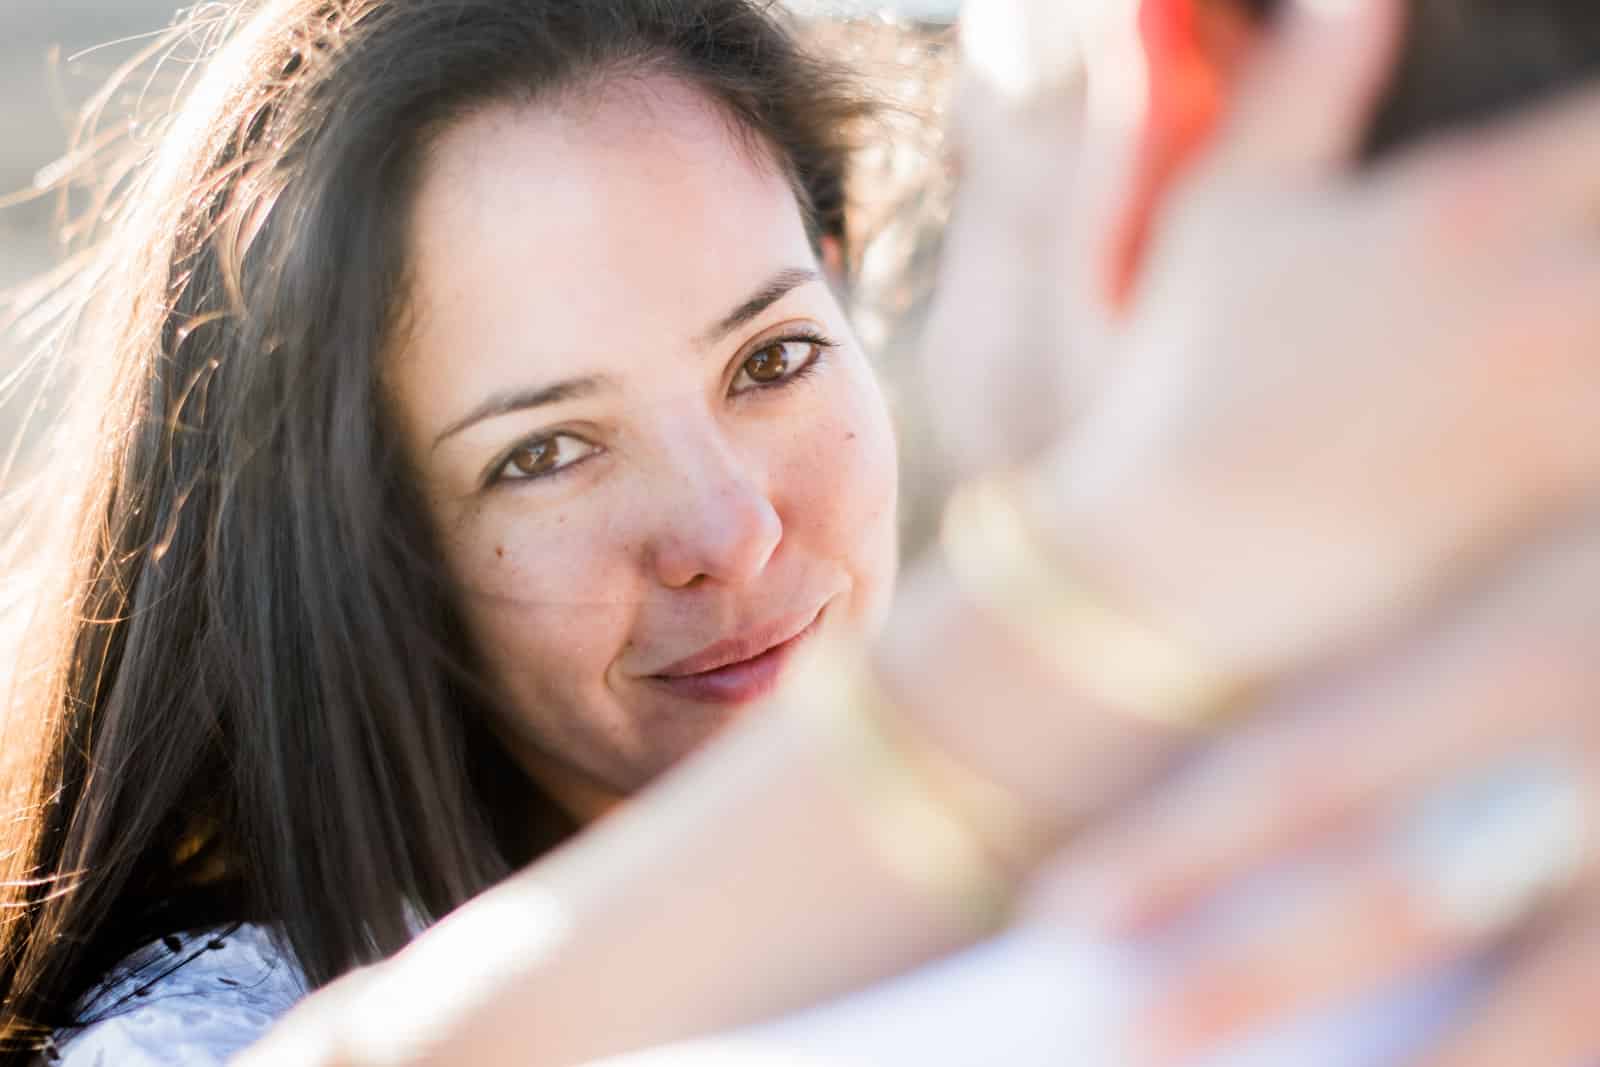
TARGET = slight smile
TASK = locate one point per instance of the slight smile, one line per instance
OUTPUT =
(735, 675)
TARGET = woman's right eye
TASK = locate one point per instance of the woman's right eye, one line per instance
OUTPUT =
(542, 458)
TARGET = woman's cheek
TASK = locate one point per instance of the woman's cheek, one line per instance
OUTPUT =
(876, 561)
(843, 481)
(542, 603)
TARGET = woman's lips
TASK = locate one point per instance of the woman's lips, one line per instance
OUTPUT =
(740, 682)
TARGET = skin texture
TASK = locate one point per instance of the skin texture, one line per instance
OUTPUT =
(606, 235)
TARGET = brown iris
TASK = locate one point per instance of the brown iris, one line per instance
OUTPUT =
(535, 459)
(768, 365)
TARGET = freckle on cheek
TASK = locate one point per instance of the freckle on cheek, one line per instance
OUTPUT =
(499, 550)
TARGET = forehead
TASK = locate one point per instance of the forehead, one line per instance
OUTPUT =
(560, 235)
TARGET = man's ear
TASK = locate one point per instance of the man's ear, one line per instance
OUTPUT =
(1193, 51)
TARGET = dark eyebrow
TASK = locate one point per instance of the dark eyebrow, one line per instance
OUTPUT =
(525, 400)
(780, 286)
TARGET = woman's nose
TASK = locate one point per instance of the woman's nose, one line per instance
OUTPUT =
(719, 526)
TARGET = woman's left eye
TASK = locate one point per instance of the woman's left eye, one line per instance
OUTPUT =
(779, 362)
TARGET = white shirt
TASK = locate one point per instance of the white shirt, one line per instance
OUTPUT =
(188, 1001)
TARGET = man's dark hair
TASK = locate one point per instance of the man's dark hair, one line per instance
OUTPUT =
(1471, 59)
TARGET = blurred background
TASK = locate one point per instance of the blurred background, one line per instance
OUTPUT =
(54, 55)
(42, 90)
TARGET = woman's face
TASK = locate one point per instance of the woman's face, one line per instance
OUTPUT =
(654, 451)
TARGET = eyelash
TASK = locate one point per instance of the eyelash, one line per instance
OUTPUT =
(820, 346)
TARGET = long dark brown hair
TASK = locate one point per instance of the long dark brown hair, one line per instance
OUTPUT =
(249, 696)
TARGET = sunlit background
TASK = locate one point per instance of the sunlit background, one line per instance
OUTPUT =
(45, 75)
